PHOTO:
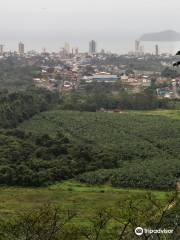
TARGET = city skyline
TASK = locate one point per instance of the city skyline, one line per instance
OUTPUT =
(137, 46)
(113, 24)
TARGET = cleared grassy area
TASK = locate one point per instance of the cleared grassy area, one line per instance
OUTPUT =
(75, 186)
(174, 114)
(69, 194)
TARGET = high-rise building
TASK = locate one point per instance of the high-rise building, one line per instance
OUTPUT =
(21, 48)
(157, 50)
(137, 45)
(92, 47)
(1, 49)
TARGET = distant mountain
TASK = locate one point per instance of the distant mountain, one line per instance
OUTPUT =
(168, 36)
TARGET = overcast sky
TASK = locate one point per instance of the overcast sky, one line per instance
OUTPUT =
(51, 22)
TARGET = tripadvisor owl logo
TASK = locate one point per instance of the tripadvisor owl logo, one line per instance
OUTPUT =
(139, 231)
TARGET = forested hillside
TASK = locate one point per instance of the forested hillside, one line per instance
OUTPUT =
(19, 106)
(41, 145)
(142, 149)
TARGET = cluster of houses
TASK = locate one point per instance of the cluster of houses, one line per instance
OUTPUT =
(61, 78)
(64, 78)
(70, 74)
(168, 88)
(135, 82)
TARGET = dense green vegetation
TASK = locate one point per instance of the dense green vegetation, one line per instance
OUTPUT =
(93, 101)
(95, 148)
(161, 174)
(19, 106)
(24, 160)
(143, 148)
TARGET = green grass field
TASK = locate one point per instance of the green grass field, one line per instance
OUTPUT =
(69, 194)
(173, 114)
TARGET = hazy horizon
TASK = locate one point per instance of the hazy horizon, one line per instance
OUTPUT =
(113, 24)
